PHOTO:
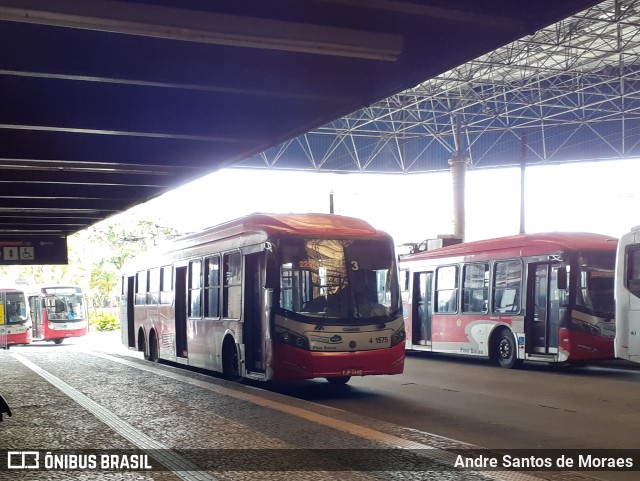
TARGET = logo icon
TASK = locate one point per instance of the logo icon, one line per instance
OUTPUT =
(23, 460)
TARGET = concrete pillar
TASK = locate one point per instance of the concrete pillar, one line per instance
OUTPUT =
(458, 165)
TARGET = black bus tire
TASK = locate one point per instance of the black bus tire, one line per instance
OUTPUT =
(505, 350)
(153, 347)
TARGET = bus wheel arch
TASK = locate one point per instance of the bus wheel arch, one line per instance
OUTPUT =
(504, 348)
(231, 359)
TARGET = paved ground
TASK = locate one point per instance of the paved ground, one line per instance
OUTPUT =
(75, 403)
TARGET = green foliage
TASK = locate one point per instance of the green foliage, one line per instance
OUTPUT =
(104, 281)
(103, 322)
(96, 256)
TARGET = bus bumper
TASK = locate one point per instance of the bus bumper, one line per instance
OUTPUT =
(584, 346)
(293, 363)
(22, 338)
(51, 334)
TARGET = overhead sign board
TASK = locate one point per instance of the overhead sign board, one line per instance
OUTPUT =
(33, 251)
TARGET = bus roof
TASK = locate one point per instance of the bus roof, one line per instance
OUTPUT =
(303, 224)
(266, 225)
(521, 245)
(13, 288)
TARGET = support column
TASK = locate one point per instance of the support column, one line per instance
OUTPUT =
(523, 165)
(458, 165)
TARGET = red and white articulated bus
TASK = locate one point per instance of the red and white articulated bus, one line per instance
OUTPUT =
(271, 297)
(58, 312)
(15, 321)
(537, 297)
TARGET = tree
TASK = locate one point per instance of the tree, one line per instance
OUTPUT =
(96, 256)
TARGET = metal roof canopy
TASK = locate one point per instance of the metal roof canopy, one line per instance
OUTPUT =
(569, 90)
(107, 104)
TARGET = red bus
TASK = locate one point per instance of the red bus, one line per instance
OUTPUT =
(15, 322)
(58, 312)
(271, 297)
(537, 297)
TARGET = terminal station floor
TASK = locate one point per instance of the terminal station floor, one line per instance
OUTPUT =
(75, 403)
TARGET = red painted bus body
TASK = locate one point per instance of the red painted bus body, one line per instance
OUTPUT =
(58, 312)
(271, 297)
(537, 297)
(15, 321)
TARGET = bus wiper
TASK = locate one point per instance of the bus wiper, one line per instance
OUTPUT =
(325, 314)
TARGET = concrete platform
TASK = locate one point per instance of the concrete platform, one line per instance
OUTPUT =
(91, 409)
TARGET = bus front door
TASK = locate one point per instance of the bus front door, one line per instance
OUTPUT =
(542, 319)
(422, 308)
(253, 322)
(35, 308)
(131, 322)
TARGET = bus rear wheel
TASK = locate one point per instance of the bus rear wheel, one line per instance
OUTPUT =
(153, 347)
(339, 380)
(505, 351)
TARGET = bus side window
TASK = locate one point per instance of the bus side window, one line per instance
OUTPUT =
(195, 288)
(232, 285)
(166, 285)
(141, 288)
(404, 284)
(153, 286)
(506, 286)
(447, 289)
(475, 279)
(633, 270)
(212, 287)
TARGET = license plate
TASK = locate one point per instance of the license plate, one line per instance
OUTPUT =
(352, 372)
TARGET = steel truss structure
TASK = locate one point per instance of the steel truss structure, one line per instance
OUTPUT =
(569, 92)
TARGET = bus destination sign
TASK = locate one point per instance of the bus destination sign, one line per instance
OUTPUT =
(33, 251)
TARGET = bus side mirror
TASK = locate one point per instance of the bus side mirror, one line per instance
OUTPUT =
(562, 278)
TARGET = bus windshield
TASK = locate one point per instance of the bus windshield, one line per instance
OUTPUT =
(339, 278)
(15, 308)
(64, 303)
(595, 282)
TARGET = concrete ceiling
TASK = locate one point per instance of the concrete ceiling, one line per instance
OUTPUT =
(107, 104)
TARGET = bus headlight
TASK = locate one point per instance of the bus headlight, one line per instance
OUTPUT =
(292, 339)
(398, 337)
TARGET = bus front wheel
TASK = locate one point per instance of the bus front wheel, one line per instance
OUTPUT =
(505, 350)
(339, 380)
(231, 362)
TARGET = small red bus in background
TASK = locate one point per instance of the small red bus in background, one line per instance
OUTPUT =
(536, 297)
(58, 312)
(15, 321)
(270, 297)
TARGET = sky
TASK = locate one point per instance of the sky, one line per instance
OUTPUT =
(601, 197)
